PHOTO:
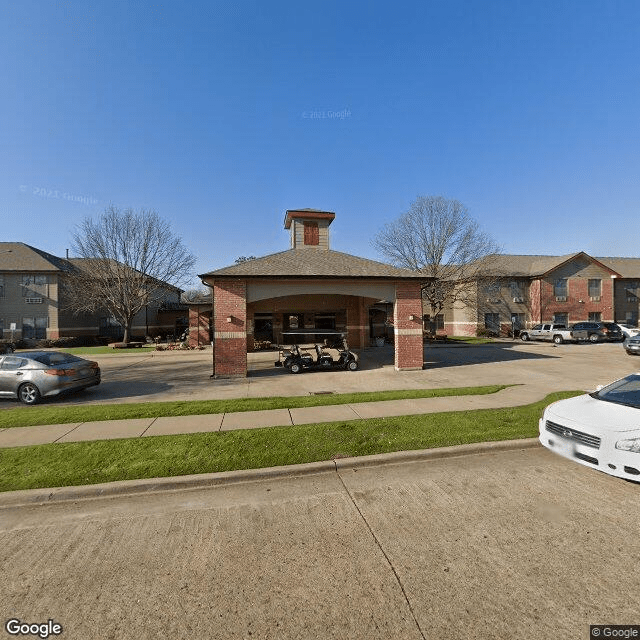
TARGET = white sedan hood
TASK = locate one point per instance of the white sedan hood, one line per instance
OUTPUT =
(587, 413)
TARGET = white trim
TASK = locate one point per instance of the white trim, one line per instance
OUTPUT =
(408, 332)
(227, 335)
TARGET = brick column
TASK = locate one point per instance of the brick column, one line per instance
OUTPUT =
(409, 347)
(230, 328)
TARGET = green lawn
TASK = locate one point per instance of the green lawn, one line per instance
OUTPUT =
(96, 351)
(22, 416)
(56, 465)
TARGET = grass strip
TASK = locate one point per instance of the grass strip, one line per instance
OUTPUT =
(30, 416)
(69, 464)
(96, 351)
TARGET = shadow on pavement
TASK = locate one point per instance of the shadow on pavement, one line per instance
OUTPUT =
(438, 356)
(441, 356)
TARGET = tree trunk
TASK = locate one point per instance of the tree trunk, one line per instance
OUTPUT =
(127, 333)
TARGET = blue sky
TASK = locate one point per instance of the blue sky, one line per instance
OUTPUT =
(222, 116)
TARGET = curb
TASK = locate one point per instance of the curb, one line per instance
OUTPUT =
(123, 488)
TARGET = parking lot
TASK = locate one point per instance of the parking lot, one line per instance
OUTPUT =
(186, 375)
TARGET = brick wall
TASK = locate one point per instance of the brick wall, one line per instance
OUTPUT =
(230, 326)
(199, 325)
(409, 350)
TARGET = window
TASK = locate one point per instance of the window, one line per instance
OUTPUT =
(311, 233)
(110, 327)
(595, 316)
(325, 321)
(436, 324)
(35, 327)
(12, 363)
(595, 288)
(632, 318)
(561, 318)
(517, 291)
(492, 322)
(33, 286)
(560, 289)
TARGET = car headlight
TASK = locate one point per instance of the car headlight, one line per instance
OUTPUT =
(632, 444)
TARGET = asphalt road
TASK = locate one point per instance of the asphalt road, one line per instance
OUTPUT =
(515, 544)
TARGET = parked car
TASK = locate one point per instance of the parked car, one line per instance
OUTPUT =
(627, 330)
(632, 345)
(597, 332)
(32, 375)
(558, 333)
(600, 430)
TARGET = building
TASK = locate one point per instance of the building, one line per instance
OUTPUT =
(310, 286)
(32, 304)
(526, 290)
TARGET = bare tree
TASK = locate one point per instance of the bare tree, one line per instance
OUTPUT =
(125, 260)
(197, 294)
(438, 237)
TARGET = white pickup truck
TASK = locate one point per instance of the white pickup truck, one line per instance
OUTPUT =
(557, 333)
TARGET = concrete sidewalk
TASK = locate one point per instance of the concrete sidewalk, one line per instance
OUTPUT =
(143, 427)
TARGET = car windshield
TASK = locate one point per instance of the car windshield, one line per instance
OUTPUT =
(625, 391)
(53, 358)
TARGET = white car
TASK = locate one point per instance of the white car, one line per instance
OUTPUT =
(628, 330)
(599, 430)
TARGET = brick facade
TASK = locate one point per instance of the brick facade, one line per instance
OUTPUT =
(407, 320)
(230, 328)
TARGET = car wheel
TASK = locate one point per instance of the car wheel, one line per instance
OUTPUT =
(296, 367)
(29, 393)
(524, 337)
(593, 337)
(557, 339)
(352, 365)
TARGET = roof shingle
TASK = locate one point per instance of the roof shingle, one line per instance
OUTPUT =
(313, 263)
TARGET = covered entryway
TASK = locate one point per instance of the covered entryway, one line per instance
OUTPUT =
(311, 286)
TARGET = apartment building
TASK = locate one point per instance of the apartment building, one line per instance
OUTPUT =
(526, 290)
(32, 304)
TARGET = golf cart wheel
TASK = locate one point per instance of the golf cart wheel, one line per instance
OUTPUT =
(352, 365)
(29, 393)
(296, 367)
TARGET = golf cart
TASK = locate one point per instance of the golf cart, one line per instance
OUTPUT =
(332, 353)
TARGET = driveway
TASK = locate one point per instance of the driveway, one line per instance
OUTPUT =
(164, 376)
(500, 545)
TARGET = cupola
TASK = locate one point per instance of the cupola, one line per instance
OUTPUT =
(309, 228)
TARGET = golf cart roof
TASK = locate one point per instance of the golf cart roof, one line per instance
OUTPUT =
(313, 332)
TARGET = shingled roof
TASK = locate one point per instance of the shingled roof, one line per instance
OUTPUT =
(532, 266)
(18, 256)
(312, 263)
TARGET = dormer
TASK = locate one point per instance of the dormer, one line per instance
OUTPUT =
(309, 228)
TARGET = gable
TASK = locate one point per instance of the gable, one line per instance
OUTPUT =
(579, 266)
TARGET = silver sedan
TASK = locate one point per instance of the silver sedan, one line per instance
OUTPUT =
(32, 375)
